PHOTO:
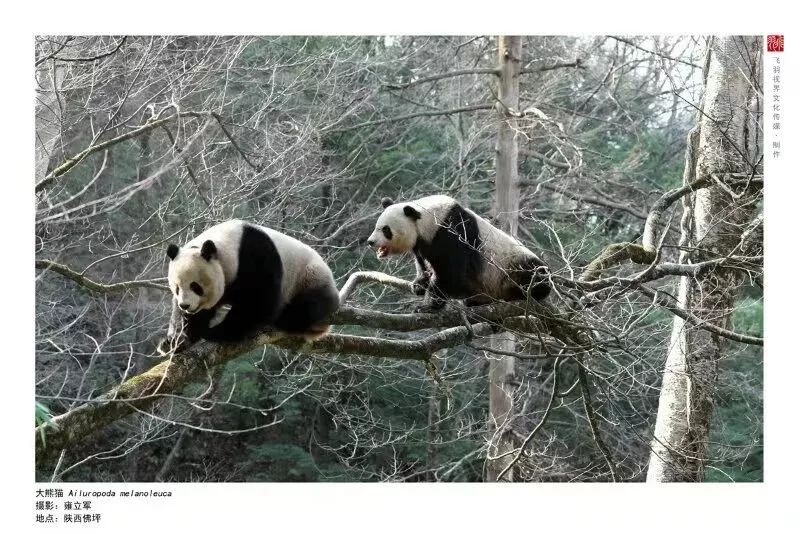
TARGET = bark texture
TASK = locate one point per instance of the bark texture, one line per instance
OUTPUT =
(715, 221)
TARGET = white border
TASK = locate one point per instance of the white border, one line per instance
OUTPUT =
(359, 507)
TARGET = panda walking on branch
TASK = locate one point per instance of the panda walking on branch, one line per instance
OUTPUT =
(459, 255)
(237, 278)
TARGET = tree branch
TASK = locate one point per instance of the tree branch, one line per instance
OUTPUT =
(441, 76)
(142, 391)
(544, 159)
(590, 200)
(89, 59)
(659, 54)
(361, 277)
(645, 253)
(436, 77)
(590, 416)
(578, 64)
(474, 107)
(93, 286)
(80, 156)
(663, 301)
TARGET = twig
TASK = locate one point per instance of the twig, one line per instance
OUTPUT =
(590, 416)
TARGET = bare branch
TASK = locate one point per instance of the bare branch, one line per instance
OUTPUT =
(442, 76)
(545, 159)
(77, 158)
(665, 302)
(88, 59)
(586, 395)
(659, 54)
(578, 64)
(140, 392)
(97, 287)
(464, 109)
(361, 277)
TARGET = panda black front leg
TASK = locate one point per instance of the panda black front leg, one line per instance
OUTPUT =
(420, 284)
(184, 330)
(435, 300)
(423, 278)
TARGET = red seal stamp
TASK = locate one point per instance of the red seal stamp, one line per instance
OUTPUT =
(775, 43)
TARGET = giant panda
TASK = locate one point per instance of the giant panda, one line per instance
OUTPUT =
(237, 278)
(459, 255)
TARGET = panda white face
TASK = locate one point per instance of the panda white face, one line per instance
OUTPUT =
(195, 277)
(396, 230)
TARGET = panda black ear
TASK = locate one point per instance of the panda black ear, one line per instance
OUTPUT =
(412, 213)
(172, 251)
(386, 202)
(209, 250)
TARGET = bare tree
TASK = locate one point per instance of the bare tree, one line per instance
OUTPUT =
(718, 222)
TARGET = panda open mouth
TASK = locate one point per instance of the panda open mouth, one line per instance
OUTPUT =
(383, 252)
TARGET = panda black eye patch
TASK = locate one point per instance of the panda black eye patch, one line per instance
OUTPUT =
(196, 288)
(387, 232)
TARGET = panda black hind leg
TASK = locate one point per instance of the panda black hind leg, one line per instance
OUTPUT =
(307, 314)
(478, 300)
(531, 275)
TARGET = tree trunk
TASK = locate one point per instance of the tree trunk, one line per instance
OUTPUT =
(501, 368)
(726, 141)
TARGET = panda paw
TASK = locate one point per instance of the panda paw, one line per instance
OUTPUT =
(164, 347)
(420, 285)
(170, 345)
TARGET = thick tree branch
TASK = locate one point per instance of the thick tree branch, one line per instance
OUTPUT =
(645, 253)
(361, 277)
(578, 64)
(142, 391)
